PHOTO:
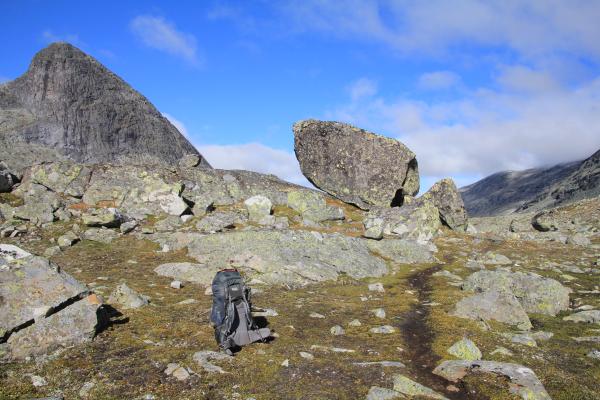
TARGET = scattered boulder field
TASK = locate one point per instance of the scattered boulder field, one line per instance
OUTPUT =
(370, 290)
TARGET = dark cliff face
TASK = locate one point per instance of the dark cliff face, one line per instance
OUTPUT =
(533, 189)
(68, 105)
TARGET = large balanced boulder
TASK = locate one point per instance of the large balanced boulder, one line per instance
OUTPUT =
(288, 257)
(355, 165)
(41, 307)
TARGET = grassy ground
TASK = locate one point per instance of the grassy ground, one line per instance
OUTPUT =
(127, 359)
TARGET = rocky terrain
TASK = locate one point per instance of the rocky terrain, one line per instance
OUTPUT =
(105, 274)
(534, 189)
(68, 106)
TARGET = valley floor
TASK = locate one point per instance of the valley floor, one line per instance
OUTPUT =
(127, 360)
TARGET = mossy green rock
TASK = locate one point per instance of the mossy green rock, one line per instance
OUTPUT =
(288, 257)
(409, 387)
(465, 349)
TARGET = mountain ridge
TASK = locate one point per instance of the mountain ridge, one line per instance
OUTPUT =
(67, 105)
(533, 189)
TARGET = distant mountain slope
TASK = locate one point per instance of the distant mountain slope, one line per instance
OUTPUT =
(68, 105)
(533, 189)
(584, 183)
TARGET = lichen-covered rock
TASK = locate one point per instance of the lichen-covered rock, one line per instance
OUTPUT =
(288, 257)
(523, 381)
(379, 393)
(312, 206)
(36, 213)
(465, 349)
(125, 297)
(62, 177)
(493, 305)
(34, 321)
(589, 316)
(408, 387)
(579, 239)
(98, 217)
(373, 227)
(219, 221)
(355, 165)
(188, 272)
(136, 190)
(67, 240)
(535, 293)
(418, 221)
(258, 208)
(445, 197)
(402, 251)
(100, 235)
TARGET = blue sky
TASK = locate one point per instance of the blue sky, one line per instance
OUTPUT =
(472, 87)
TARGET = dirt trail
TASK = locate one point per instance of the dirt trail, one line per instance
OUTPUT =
(419, 337)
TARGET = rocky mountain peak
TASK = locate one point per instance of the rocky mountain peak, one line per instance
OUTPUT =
(69, 106)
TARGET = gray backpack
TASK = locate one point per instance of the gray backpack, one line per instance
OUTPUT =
(231, 312)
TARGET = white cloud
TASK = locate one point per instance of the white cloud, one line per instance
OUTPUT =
(255, 157)
(534, 122)
(177, 124)
(531, 28)
(438, 80)
(157, 33)
(361, 88)
(50, 37)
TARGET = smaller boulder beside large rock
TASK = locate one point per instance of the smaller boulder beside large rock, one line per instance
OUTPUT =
(445, 196)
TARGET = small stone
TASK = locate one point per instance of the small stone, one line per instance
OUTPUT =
(67, 240)
(181, 374)
(306, 355)
(170, 368)
(51, 251)
(594, 354)
(502, 350)
(186, 217)
(316, 315)
(128, 226)
(187, 301)
(376, 287)
(523, 338)
(85, 389)
(37, 381)
(285, 363)
(385, 329)
(379, 312)
(268, 312)
(379, 393)
(176, 285)
(465, 349)
(354, 322)
(126, 297)
(337, 330)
